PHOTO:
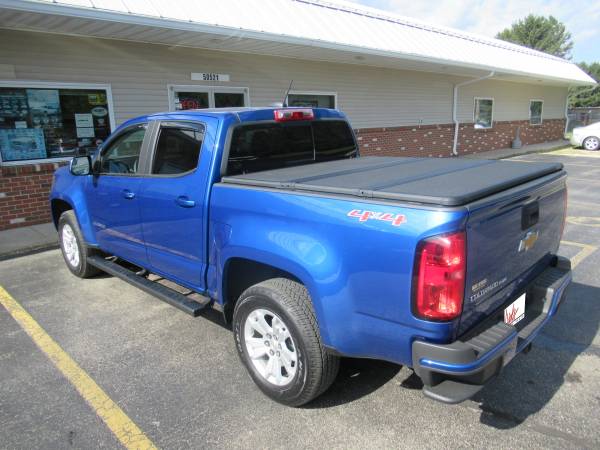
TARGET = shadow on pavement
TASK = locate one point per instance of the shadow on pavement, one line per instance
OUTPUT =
(357, 378)
(530, 381)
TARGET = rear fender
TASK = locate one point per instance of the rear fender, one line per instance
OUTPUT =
(279, 261)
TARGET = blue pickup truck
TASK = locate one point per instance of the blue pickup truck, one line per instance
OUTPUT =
(313, 253)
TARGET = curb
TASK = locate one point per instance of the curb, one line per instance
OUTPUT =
(29, 250)
(531, 152)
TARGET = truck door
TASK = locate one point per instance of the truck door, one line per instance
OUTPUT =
(112, 195)
(172, 197)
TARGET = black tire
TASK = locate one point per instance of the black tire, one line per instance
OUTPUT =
(79, 268)
(593, 142)
(316, 368)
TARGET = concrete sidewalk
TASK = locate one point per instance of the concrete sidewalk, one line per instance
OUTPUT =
(526, 149)
(26, 240)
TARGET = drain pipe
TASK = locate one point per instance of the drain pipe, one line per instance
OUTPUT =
(454, 107)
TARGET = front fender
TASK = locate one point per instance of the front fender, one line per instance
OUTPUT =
(71, 189)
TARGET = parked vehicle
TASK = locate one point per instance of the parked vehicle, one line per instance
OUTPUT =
(587, 137)
(447, 266)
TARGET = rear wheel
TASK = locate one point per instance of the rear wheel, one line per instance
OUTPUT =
(277, 339)
(591, 143)
(73, 247)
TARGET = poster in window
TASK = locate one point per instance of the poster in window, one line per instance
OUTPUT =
(13, 104)
(84, 120)
(97, 99)
(85, 132)
(44, 108)
(22, 143)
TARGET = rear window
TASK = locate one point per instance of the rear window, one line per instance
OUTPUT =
(271, 145)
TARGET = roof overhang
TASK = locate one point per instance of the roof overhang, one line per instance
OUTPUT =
(42, 16)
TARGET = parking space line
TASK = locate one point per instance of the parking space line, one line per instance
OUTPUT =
(111, 414)
(588, 204)
(566, 163)
(583, 180)
(586, 250)
(585, 221)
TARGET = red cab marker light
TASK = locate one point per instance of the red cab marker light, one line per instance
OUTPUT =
(287, 115)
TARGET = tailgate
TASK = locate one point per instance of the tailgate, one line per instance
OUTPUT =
(511, 237)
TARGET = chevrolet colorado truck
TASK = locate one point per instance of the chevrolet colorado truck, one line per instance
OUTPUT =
(312, 252)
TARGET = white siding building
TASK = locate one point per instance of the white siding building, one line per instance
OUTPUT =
(73, 70)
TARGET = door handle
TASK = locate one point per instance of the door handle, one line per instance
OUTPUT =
(185, 202)
(128, 194)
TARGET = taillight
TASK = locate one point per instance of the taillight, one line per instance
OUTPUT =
(286, 115)
(439, 277)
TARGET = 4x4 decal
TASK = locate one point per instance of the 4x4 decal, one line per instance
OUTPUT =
(363, 216)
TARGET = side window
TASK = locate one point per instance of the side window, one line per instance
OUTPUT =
(177, 150)
(123, 154)
(483, 116)
(535, 112)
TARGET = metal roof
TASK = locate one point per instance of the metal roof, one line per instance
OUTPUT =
(313, 29)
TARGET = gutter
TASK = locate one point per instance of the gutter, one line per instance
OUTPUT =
(454, 106)
(227, 31)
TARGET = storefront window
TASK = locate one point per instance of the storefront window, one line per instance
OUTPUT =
(41, 123)
(201, 97)
(311, 100)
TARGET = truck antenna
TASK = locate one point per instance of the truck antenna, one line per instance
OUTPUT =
(285, 98)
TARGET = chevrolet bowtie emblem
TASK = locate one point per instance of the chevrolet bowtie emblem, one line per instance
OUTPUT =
(528, 241)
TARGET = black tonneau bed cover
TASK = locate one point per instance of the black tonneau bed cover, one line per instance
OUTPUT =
(438, 181)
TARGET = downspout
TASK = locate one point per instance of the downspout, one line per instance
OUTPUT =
(567, 101)
(454, 107)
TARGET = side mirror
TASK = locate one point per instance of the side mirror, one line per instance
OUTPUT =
(81, 165)
(96, 166)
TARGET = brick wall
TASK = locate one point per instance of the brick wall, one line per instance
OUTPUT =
(436, 140)
(24, 194)
(24, 189)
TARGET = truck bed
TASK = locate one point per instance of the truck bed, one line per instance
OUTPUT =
(445, 182)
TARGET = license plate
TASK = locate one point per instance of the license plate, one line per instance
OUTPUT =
(515, 311)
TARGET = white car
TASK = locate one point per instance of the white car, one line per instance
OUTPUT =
(587, 137)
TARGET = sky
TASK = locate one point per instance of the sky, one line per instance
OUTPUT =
(488, 17)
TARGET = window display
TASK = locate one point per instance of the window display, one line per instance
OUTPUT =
(40, 123)
(311, 100)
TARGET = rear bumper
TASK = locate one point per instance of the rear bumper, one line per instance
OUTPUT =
(452, 373)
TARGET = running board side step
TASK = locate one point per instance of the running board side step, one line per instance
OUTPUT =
(164, 293)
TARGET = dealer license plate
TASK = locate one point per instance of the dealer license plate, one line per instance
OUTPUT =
(515, 311)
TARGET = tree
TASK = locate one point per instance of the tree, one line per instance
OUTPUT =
(586, 96)
(545, 34)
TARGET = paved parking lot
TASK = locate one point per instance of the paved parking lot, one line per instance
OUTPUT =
(178, 378)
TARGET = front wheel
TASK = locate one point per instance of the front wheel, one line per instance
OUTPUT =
(73, 247)
(591, 143)
(277, 339)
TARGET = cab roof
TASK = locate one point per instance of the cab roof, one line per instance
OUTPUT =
(246, 114)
